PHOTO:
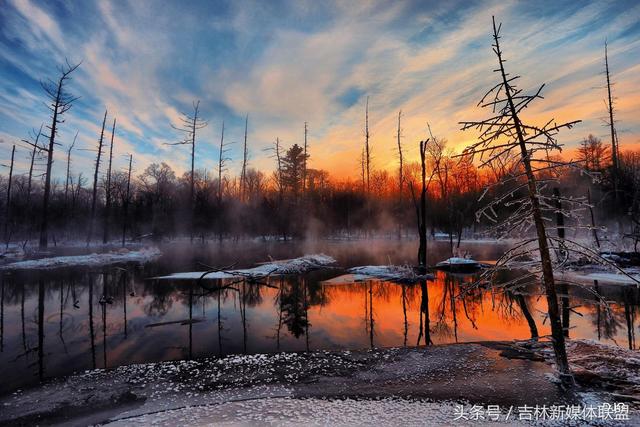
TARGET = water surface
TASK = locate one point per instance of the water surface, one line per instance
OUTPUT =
(57, 323)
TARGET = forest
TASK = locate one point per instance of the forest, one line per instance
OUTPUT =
(294, 200)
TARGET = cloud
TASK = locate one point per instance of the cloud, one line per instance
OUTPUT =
(284, 63)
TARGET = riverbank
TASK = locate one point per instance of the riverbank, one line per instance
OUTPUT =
(263, 389)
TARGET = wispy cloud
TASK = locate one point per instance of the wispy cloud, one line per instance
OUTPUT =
(284, 63)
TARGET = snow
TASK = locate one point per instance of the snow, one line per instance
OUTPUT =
(90, 260)
(385, 272)
(308, 412)
(601, 276)
(608, 361)
(457, 261)
(281, 267)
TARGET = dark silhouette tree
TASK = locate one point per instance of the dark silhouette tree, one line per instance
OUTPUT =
(60, 101)
(189, 126)
(593, 153)
(108, 189)
(245, 157)
(7, 212)
(293, 170)
(94, 198)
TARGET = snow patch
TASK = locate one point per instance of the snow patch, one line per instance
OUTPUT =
(90, 260)
(280, 267)
(393, 273)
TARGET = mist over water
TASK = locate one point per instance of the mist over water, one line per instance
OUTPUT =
(57, 323)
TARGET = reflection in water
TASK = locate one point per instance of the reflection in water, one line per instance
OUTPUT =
(1, 314)
(154, 319)
(91, 332)
(41, 329)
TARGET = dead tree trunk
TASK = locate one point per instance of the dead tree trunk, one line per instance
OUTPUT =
(548, 280)
(614, 144)
(189, 127)
(422, 218)
(34, 151)
(529, 146)
(304, 163)
(61, 102)
(107, 205)
(125, 204)
(593, 221)
(94, 197)
(366, 146)
(7, 213)
(221, 161)
(564, 290)
(245, 154)
(68, 176)
(400, 177)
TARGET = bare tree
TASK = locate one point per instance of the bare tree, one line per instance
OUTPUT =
(506, 133)
(400, 176)
(60, 101)
(189, 126)
(68, 176)
(366, 145)
(245, 155)
(36, 151)
(221, 166)
(7, 213)
(126, 201)
(306, 156)
(222, 160)
(94, 197)
(614, 143)
(107, 205)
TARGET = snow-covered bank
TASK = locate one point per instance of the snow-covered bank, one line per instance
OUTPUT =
(90, 260)
(402, 378)
(272, 268)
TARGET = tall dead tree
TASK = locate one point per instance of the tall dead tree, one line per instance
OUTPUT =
(35, 149)
(505, 133)
(125, 203)
(60, 101)
(245, 156)
(422, 212)
(68, 176)
(221, 161)
(400, 175)
(362, 170)
(94, 196)
(107, 205)
(614, 143)
(366, 146)
(189, 126)
(304, 164)
(7, 213)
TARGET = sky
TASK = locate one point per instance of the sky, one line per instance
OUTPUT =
(288, 62)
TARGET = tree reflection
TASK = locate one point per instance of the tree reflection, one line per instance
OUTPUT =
(294, 308)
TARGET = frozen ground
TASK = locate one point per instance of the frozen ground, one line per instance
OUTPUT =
(407, 386)
(90, 260)
(272, 268)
